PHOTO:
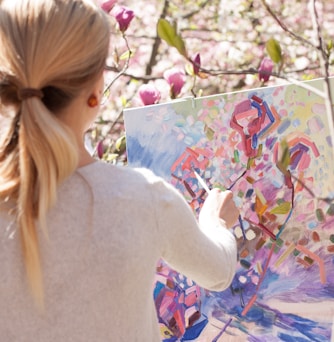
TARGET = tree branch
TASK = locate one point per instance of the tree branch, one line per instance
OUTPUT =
(324, 63)
(197, 10)
(253, 71)
(156, 44)
(284, 27)
(120, 73)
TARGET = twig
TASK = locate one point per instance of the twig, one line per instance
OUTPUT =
(284, 27)
(323, 58)
(126, 65)
(324, 63)
(253, 71)
(197, 10)
(144, 78)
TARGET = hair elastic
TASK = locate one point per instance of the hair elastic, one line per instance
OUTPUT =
(27, 93)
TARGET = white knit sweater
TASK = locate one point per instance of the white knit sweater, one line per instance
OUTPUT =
(107, 231)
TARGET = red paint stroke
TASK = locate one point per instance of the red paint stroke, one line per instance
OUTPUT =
(176, 177)
(188, 154)
(243, 110)
(273, 246)
(189, 189)
(302, 138)
(315, 257)
(299, 145)
(288, 179)
(315, 236)
(253, 299)
(249, 305)
(191, 298)
(256, 111)
(266, 230)
(247, 114)
(256, 99)
(190, 158)
(204, 152)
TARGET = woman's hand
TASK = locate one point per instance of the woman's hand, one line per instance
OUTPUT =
(219, 204)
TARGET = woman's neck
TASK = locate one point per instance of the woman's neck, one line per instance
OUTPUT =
(84, 157)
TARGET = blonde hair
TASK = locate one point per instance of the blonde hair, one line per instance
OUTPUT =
(58, 47)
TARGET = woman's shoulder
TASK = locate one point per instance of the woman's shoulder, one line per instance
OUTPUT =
(104, 173)
(124, 183)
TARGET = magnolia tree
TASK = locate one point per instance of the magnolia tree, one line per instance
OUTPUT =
(165, 49)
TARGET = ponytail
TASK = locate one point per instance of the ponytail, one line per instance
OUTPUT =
(47, 155)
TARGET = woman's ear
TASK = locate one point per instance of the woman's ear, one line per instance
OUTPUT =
(99, 86)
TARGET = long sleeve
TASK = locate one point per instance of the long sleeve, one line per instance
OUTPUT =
(206, 254)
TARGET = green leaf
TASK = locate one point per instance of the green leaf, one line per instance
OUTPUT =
(329, 45)
(124, 101)
(126, 55)
(285, 157)
(121, 144)
(167, 32)
(180, 46)
(209, 132)
(111, 157)
(274, 50)
(281, 209)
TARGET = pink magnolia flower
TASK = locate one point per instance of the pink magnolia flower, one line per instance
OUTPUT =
(123, 16)
(108, 5)
(176, 79)
(149, 94)
(265, 69)
(196, 63)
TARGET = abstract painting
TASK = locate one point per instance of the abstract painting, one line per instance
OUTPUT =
(272, 147)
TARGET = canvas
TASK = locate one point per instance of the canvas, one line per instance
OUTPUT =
(272, 147)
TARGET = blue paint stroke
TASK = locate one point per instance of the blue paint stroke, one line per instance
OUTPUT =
(194, 331)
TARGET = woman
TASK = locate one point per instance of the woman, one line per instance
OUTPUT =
(82, 236)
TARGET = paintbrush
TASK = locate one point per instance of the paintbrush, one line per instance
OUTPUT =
(206, 188)
(202, 182)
